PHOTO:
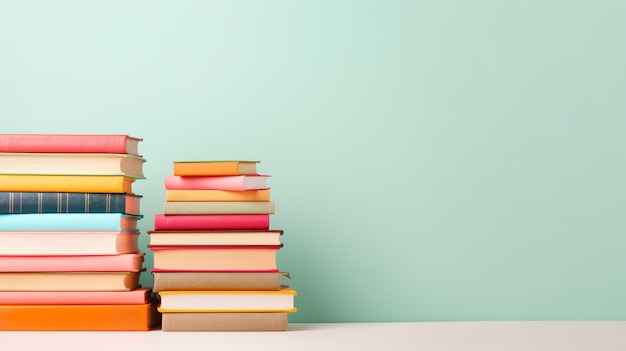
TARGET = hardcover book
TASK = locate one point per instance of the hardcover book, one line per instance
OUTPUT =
(55, 202)
(194, 258)
(69, 281)
(215, 238)
(66, 183)
(72, 164)
(233, 183)
(70, 143)
(68, 243)
(214, 168)
(130, 297)
(217, 195)
(212, 222)
(217, 281)
(73, 263)
(68, 222)
(214, 207)
(224, 321)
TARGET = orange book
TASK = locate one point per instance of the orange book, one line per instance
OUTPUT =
(129, 297)
(140, 317)
(214, 168)
(217, 195)
(66, 183)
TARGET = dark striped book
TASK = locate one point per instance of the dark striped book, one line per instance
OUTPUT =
(53, 202)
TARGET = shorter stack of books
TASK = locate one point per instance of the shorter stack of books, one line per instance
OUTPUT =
(69, 256)
(215, 263)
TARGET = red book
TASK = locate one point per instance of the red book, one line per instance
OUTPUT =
(212, 222)
(70, 143)
(233, 183)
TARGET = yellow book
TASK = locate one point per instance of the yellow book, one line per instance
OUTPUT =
(217, 195)
(214, 168)
(66, 183)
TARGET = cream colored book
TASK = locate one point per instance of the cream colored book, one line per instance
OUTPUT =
(215, 207)
(215, 238)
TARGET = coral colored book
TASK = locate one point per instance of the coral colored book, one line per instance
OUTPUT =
(215, 207)
(55, 202)
(207, 258)
(214, 168)
(68, 243)
(215, 238)
(66, 183)
(212, 222)
(140, 317)
(224, 321)
(68, 222)
(217, 195)
(232, 183)
(72, 164)
(69, 281)
(73, 263)
(165, 281)
(70, 143)
(131, 297)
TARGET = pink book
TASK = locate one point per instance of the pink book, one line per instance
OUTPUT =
(212, 222)
(70, 143)
(108, 263)
(232, 183)
(132, 297)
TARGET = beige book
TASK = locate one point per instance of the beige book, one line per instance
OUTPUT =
(69, 281)
(215, 258)
(218, 207)
(229, 321)
(217, 280)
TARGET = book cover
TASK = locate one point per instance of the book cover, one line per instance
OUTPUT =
(72, 164)
(212, 222)
(70, 143)
(56, 202)
(73, 263)
(68, 243)
(131, 297)
(224, 322)
(68, 221)
(140, 317)
(228, 301)
(69, 281)
(207, 258)
(66, 183)
(217, 195)
(215, 238)
(237, 183)
(214, 207)
(214, 168)
(217, 281)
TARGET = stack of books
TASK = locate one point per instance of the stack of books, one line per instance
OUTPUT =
(69, 249)
(215, 265)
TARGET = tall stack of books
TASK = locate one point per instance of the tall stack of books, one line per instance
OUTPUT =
(69, 250)
(215, 265)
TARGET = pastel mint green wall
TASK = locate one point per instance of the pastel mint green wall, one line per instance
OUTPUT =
(431, 160)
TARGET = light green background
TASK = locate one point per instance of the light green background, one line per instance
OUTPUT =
(430, 160)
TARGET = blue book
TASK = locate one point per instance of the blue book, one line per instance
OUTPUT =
(57, 202)
(68, 221)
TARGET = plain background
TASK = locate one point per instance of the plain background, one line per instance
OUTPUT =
(430, 160)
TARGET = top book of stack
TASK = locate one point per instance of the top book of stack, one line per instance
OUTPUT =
(214, 168)
(70, 143)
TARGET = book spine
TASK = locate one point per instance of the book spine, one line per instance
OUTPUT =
(63, 221)
(54, 202)
(63, 143)
(65, 183)
(212, 222)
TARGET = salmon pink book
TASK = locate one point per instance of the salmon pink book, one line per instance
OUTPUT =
(212, 222)
(73, 263)
(131, 297)
(237, 183)
(70, 143)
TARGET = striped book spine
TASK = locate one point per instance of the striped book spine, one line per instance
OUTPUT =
(58, 202)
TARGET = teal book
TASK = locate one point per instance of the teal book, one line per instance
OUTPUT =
(68, 222)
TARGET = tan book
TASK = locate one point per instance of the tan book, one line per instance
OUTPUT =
(175, 281)
(218, 207)
(216, 321)
(215, 237)
(216, 195)
(69, 281)
(211, 258)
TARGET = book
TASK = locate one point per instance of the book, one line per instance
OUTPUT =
(228, 301)
(69, 281)
(73, 263)
(217, 281)
(68, 221)
(72, 164)
(215, 238)
(223, 321)
(214, 207)
(55, 202)
(68, 243)
(212, 222)
(70, 143)
(217, 195)
(135, 317)
(66, 183)
(237, 183)
(214, 168)
(206, 258)
(129, 297)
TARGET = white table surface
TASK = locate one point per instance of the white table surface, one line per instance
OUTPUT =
(437, 336)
